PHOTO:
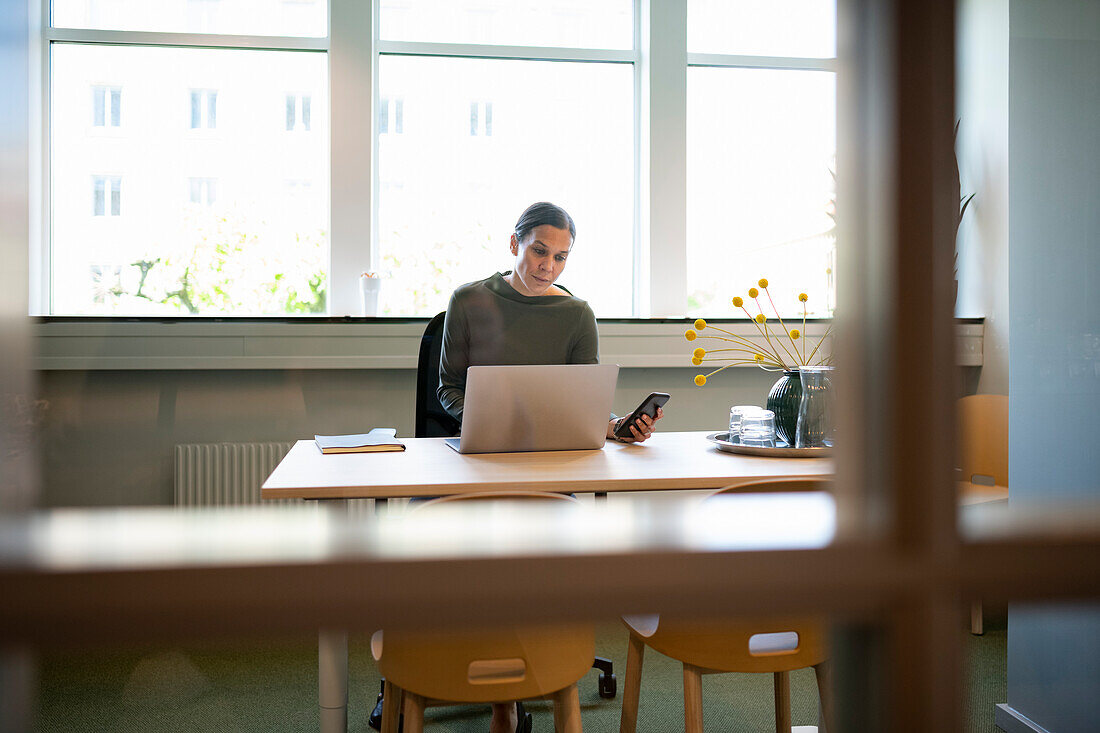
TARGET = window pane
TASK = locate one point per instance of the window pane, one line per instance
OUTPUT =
(804, 28)
(196, 109)
(99, 192)
(761, 147)
(116, 107)
(242, 17)
(560, 23)
(98, 118)
(562, 132)
(240, 249)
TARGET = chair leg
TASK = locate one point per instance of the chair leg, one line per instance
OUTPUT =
(391, 707)
(782, 702)
(632, 686)
(825, 694)
(414, 713)
(977, 625)
(567, 710)
(693, 699)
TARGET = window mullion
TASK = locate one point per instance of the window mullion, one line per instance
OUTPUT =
(663, 156)
(351, 95)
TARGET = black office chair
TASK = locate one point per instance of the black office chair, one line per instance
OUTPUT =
(433, 421)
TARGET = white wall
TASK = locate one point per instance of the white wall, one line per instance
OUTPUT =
(109, 435)
(982, 151)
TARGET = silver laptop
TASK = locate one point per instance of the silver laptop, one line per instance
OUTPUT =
(510, 409)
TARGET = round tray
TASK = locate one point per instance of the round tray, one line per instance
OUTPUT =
(781, 449)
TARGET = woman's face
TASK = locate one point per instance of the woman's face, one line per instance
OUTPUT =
(540, 258)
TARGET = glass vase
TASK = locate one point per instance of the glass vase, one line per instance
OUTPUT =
(815, 410)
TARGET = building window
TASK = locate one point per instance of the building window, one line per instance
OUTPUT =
(481, 119)
(106, 195)
(391, 116)
(297, 112)
(203, 190)
(106, 106)
(204, 109)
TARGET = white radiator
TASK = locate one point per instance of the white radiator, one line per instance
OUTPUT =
(220, 474)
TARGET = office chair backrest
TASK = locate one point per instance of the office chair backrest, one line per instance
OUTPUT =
(432, 421)
(983, 437)
(486, 665)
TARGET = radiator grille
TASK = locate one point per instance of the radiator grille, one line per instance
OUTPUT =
(224, 474)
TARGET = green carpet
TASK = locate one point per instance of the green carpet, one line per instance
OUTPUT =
(273, 687)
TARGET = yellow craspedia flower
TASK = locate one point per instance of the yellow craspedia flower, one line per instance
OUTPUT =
(700, 380)
(700, 324)
(763, 282)
(696, 360)
(758, 357)
(828, 271)
(753, 292)
(802, 297)
(760, 318)
(795, 333)
(690, 335)
(737, 301)
(700, 352)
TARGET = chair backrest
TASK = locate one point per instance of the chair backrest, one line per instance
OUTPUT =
(983, 437)
(507, 663)
(432, 421)
(740, 644)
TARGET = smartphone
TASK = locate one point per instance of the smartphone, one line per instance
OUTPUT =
(648, 407)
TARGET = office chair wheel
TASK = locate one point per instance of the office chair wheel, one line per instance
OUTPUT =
(524, 721)
(608, 686)
(374, 720)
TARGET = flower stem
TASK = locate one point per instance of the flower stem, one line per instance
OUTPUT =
(821, 341)
(786, 330)
(774, 352)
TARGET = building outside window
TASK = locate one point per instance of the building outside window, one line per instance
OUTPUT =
(203, 190)
(481, 119)
(204, 109)
(106, 196)
(106, 106)
(298, 112)
(391, 116)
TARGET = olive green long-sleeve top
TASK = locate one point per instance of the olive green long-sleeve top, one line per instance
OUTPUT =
(489, 323)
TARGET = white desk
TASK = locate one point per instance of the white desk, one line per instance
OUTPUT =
(428, 467)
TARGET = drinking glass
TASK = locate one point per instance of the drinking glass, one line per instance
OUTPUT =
(736, 414)
(758, 429)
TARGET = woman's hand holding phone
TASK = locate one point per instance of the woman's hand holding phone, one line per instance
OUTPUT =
(640, 424)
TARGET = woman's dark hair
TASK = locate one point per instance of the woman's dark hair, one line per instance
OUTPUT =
(537, 215)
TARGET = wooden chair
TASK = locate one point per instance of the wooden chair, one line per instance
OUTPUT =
(424, 668)
(775, 645)
(983, 452)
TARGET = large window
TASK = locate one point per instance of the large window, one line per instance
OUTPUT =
(202, 159)
(687, 181)
(761, 121)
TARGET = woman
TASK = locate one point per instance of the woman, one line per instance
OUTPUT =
(523, 316)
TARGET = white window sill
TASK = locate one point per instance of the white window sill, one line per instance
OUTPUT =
(353, 344)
